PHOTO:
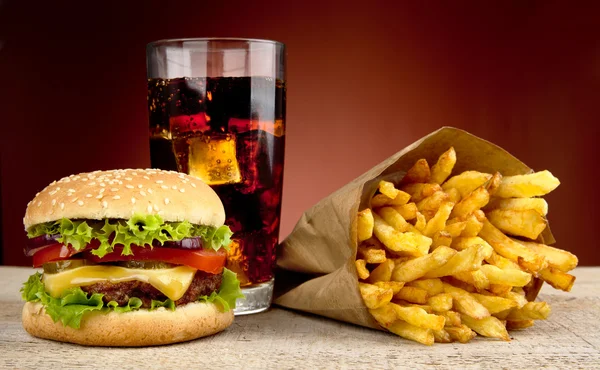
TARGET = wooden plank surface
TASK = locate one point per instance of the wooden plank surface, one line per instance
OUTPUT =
(281, 339)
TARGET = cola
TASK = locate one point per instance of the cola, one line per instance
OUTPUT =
(229, 132)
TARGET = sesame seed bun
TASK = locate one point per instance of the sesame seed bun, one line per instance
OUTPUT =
(121, 193)
(131, 329)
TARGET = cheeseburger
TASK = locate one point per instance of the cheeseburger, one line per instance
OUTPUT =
(129, 258)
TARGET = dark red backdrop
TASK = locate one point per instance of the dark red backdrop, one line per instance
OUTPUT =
(363, 82)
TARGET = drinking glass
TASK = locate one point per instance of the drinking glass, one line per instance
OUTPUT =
(217, 111)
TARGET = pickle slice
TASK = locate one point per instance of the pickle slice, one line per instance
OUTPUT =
(59, 266)
(148, 265)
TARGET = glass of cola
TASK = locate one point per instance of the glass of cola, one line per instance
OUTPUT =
(217, 111)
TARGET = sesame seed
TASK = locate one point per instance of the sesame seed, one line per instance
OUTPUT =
(164, 186)
(114, 189)
(88, 195)
(118, 177)
(146, 177)
(73, 200)
(193, 185)
(149, 208)
(129, 186)
(155, 208)
(143, 193)
(53, 202)
(52, 192)
(149, 191)
(174, 187)
(117, 197)
(182, 190)
(71, 190)
(84, 179)
(102, 184)
(166, 200)
(134, 173)
(104, 204)
(132, 200)
(159, 181)
(140, 186)
(66, 179)
(62, 206)
(57, 188)
(120, 182)
(100, 196)
(80, 202)
(92, 183)
(128, 178)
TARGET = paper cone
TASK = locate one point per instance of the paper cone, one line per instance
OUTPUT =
(316, 261)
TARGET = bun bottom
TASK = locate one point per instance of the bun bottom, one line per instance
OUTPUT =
(130, 329)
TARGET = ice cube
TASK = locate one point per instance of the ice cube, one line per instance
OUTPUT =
(213, 159)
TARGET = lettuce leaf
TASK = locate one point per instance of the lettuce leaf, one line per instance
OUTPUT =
(139, 230)
(167, 303)
(228, 293)
(74, 303)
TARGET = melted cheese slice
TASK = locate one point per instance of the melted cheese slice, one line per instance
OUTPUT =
(172, 282)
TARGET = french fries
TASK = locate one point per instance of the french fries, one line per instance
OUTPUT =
(445, 257)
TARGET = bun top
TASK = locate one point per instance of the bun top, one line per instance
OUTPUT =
(120, 193)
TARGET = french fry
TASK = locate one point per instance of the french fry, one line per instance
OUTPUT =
(461, 333)
(388, 189)
(371, 254)
(441, 238)
(440, 303)
(420, 191)
(488, 327)
(466, 182)
(374, 296)
(431, 286)
(499, 289)
(473, 226)
(475, 278)
(518, 324)
(512, 277)
(477, 199)
(495, 304)
(557, 279)
(407, 211)
(380, 200)
(394, 218)
(417, 267)
(429, 206)
(465, 303)
(438, 222)
(525, 186)
(465, 260)
(453, 195)
(421, 222)
(393, 285)
(443, 167)
(418, 317)
(408, 331)
(361, 269)
(452, 318)
(501, 262)
(441, 336)
(528, 223)
(462, 243)
(364, 224)
(530, 311)
(409, 243)
(519, 299)
(412, 294)
(518, 204)
(455, 228)
(385, 315)
(383, 272)
(418, 173)
(557, 258)
(510, 249)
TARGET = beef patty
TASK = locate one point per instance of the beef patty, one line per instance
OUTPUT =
(202, 284)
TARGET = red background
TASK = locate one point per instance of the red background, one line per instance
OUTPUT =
(363, 82)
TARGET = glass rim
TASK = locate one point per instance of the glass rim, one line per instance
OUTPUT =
(164, 42)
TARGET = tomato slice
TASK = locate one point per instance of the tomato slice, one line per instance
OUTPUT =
(52, 252)
(210, 261)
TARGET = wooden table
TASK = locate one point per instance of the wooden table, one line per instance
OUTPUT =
(283, 339)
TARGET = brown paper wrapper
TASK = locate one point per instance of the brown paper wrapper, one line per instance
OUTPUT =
(316, 271)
